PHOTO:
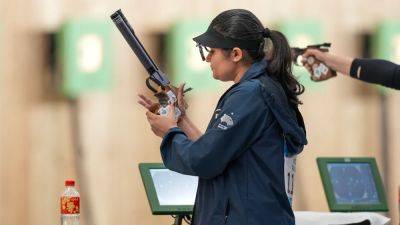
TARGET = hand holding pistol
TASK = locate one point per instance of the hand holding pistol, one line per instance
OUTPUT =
(157, 81)
(319, 70)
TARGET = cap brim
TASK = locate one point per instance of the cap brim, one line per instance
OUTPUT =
(207, 40)
(213, 39)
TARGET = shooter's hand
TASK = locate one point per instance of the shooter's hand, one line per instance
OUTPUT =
(311, 55)
(148, 103)
(161, 124)
(182, 104)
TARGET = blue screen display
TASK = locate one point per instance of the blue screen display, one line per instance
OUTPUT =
(353, 183)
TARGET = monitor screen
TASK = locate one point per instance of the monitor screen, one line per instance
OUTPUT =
(353, 183)
(168, 192)
(173, 188)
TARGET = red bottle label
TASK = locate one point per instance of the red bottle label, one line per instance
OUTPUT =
(69, 205)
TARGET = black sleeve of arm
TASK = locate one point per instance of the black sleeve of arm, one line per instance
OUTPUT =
(376, 71)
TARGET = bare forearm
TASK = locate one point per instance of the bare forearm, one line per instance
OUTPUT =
(338, 63)
(189, 128)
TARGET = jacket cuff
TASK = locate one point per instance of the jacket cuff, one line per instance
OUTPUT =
(354, 67)
(170, 134)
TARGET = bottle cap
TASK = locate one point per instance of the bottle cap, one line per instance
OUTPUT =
(69, 183)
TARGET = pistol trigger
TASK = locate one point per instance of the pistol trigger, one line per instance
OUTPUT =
(159, 89)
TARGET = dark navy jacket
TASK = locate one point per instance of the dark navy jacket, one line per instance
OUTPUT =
(240, 158)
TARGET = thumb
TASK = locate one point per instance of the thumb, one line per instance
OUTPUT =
(181, 101)
(181, 89)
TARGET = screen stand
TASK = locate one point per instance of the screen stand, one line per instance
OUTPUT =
(178, 219)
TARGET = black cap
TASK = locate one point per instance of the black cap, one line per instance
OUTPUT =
(214, 39)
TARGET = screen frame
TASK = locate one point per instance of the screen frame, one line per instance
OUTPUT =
(151, 193)
(328, 187)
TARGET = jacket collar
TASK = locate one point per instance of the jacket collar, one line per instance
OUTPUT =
(255, 70)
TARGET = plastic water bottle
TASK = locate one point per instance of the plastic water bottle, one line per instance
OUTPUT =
(70, 207)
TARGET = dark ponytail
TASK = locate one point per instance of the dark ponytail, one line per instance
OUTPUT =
(244, 25)
(280, 66)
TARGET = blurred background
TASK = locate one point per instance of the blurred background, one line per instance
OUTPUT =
(69, 85)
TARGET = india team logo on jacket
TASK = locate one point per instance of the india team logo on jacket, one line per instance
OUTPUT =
(226, 121)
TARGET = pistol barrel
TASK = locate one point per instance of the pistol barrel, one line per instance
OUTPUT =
(127, 32)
